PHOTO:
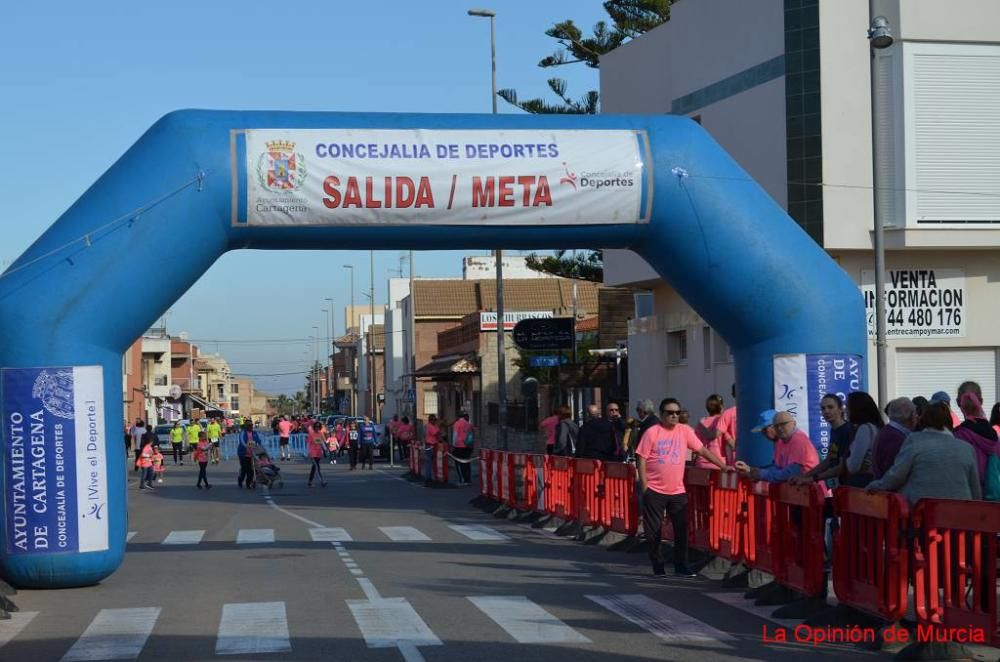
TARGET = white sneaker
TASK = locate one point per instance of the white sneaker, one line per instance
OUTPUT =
(159, 480)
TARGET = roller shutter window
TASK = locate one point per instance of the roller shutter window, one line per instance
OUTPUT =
(926, 371)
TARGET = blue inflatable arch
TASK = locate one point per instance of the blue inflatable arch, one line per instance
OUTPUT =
(70, 300)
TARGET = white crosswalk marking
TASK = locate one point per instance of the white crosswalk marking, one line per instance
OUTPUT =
(403, 534)
(525, 621)
(13, 626)
(387, 622)
(253, 627)
(330, 534)
(131, 534)
(747, 605)
(657, 618)
(254, 536)
(478, 532)
(114, 634)
(183, 538)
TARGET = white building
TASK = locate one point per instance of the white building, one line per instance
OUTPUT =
(478, 267)
(784, 87)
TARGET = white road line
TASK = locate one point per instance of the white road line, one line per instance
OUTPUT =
(12, 627)
(344, 554)
(409, 652)
(665, 622)
(183, 538)
(114, 634)
(254, 536)
(298, 517)
(356, 572)
(253, 627)
(478, 532)
(525, 621)
(330, 534)
(390, 622)
(403, 534)
(746, 605)
(131, 534)
(369, 588)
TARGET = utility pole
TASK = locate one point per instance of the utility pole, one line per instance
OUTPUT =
(413, 341)
(371, 330)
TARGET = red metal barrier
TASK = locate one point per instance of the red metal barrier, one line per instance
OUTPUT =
(439, 470)
(728, 497)
(414, 460)
(799, 514)
(484, 462)
(759, 540)
(870, 552)
(621, 506)
(588, 492)
(523, 494)
(558, 481)
(700, 485)
(955, 565)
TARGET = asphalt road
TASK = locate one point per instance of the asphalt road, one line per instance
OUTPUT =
(370, 567)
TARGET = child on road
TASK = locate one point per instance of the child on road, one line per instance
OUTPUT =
(202, 453)
(158, 464)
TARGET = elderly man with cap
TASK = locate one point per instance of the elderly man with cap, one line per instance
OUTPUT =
(794, 454)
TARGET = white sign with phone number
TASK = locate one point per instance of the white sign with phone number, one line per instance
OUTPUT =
(920, 303)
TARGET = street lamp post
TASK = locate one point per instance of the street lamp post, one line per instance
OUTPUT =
(331, 378)
(315, 372)
(879, 37)
(501, 336)
(354, 376)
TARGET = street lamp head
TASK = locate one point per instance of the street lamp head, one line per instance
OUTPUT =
(488, 13)
(879, 33)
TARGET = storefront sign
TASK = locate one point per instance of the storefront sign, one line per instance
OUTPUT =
(54, 465)
(801, 381)
(488, 321)
(920, 303)
(441, 177)
(555, 333)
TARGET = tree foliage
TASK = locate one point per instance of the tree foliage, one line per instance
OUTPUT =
(629, 19)
(586, 265)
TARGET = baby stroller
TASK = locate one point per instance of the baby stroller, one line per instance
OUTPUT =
(265, 472)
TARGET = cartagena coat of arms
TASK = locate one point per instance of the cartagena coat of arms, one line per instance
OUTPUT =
(55, 390)
(281, 169)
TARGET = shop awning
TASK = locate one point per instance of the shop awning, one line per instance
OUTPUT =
(450, 365)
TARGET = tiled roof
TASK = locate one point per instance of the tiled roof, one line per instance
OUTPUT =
(587, 325)
(457, 298)
(444, 298)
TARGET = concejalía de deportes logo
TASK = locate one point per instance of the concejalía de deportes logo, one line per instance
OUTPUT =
(606, 179)
(281, 169)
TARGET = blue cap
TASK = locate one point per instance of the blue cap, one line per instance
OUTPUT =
(766, 420)
(941, 396)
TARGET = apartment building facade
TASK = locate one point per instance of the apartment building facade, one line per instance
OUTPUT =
(784, 86)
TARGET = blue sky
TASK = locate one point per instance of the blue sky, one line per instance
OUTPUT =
(82, 81)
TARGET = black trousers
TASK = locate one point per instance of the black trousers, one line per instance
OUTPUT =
(178, 455)
(314, 470)
(202, 476)
(464, 468)
(654, 505)
(246, 472)
(352, 452)
(366, 454)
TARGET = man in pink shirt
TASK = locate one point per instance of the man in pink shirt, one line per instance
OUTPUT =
(549, 426)
(794, 454)
(462, 440)
(660, 458)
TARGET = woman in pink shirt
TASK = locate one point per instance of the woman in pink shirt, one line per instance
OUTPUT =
(462, 436)
(432, 437)
(710, 432)
(315, 442)
(548, 426)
